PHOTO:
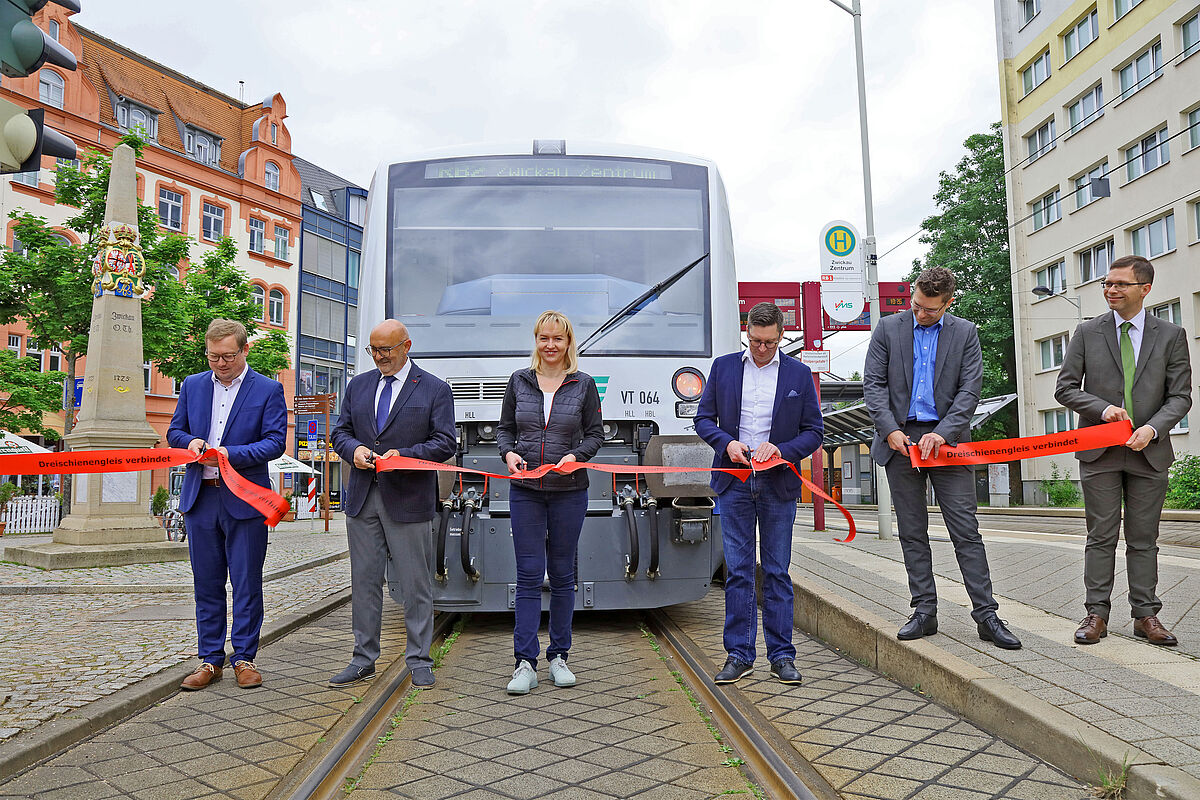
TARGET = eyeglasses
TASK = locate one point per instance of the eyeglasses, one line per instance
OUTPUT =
(767, 343)
(1121, 286)
(384, 352)
(920, 309)
(228, 358)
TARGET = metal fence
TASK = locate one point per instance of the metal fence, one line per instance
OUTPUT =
(31, 515)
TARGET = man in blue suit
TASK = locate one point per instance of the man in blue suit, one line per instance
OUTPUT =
(396, 409)
(759, 404)
(234, 410)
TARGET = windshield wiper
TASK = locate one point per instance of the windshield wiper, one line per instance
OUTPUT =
(641, 302)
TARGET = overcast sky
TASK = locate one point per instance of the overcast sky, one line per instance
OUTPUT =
(765, 89)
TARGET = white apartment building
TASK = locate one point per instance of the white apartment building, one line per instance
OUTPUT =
(1091, 90)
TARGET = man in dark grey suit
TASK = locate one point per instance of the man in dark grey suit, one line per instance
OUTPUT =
(1126, 365)
(922, 380)
(396, 409)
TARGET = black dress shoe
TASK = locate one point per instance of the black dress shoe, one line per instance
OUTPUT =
(785, 671)
(733, 671)
(353, 674)
(918, 625)
(423, 676)
(992, 630)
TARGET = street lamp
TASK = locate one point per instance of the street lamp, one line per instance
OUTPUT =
(1046, 291)
(883, 491)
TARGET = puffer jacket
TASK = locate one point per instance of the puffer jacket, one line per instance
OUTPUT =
(574, 426)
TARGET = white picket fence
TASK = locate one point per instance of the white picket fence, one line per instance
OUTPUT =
(31, 515)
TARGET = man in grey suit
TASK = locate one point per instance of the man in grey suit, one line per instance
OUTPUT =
(396, 409)
(1126, 365)
(922, 380)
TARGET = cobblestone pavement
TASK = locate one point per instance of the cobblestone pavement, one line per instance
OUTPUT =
(1170, 531)
(60, 651)
(1144, 695)
(223, 742)
(625, 730)
(870, 738)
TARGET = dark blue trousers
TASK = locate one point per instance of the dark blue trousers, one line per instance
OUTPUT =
(221, 546)
(545, 529)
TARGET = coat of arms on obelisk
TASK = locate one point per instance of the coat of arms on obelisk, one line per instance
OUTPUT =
(119, 265)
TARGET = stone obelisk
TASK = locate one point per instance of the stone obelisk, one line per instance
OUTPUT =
(110, 522)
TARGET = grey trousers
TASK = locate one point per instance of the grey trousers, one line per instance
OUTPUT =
(1121, 476)
(376, 540)
(955, 491)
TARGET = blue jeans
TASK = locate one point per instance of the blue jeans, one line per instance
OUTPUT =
(545, 531)
(743, 507)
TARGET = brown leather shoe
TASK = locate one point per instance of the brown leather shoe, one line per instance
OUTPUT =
(1091, 630)
(1150, 629)
(248, 675)
(204, 675)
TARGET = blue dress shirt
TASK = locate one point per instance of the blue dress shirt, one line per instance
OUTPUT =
(925, 342)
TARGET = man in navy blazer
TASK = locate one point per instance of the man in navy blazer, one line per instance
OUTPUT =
(759, 404)
(242, 414)
(396, 409)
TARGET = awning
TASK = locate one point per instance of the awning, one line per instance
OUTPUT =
(286, 463)
(11, 444)
(853, 425)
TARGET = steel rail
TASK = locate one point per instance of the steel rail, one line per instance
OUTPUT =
(746, 730)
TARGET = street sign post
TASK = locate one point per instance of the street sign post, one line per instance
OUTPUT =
(318, 404)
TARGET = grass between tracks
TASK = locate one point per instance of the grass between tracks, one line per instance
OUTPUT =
(732, 761)
(438, 654)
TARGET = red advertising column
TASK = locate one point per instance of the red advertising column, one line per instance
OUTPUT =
(812, 323)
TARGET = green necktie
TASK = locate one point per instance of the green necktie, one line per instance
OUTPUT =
(1128, 364)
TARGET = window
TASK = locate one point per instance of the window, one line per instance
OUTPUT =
(1086, 109)
(50, 88)
(1029, 10)
(1155, 238)
(28, 178)
(134, 118)
(146, 375)
(174, 271)
(54, 359)
(354, 256)
(318, 199)
(1058, 420)
(213, 221)
(170, 209)
(1053, 277)
(1171, 312)
(274, 133)
(281, 243)
(1139, 72)
(259, 296)
(1196, 218)
(1081, 35)
(1123, 7)
(1181, 426)
(1046, 209)
(1036, 73)
(1052, 351)
(1194, 128)
(1083, 184)
(1041, 141)
(258, 235)
(202, 146)
(175, 387)
(53, 29)
(357, 209)
(1150, 153)
(272, 176)
(14, 343)
(276, 307)
(1191, 35)
(1093, 262)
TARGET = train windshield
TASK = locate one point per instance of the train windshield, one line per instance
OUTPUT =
(478, 248)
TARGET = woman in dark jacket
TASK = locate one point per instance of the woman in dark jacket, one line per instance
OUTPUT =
(551, 415)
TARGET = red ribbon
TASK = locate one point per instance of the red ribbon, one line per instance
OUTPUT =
(998, 450)
(263, 500)
(421, 465)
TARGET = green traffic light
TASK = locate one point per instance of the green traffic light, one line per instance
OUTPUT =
(23, 45)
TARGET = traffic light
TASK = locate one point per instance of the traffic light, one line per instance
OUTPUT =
(24, 46)
(24, 139)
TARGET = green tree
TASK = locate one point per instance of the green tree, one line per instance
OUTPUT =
(26, 393)
(214, 289)
(969, 237)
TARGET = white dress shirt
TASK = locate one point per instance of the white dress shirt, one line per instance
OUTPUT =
(222, 401)
(397, 385)
(758, 400)
(1135, 332)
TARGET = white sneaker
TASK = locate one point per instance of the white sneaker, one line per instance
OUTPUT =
(524, 678)
(561, 673)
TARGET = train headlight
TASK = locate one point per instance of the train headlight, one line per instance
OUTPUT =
(487, 432)
(688, 383)
(610, 431)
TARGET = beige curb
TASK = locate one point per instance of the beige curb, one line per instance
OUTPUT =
(1078, 748)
